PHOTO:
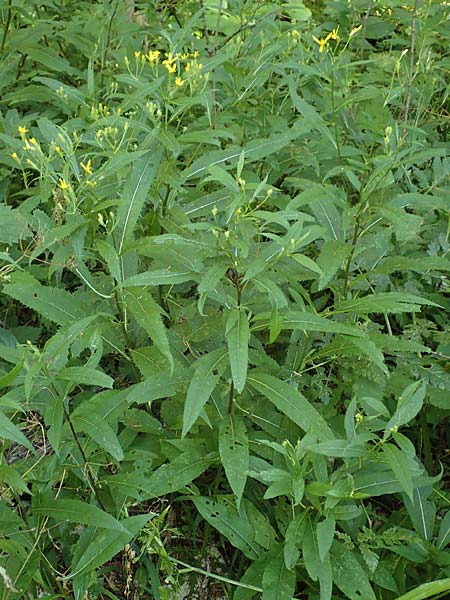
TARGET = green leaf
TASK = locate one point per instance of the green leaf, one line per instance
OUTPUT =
(78, 512)
(278, 582)
(444, 532)
(54, 304)
(107, 543)
(293, 540)
(175, 475)
(331, 258)
(422, 511)
(10, 476)
(10, 432)
(325, 535)
(13, 226)
(348, 574)
(86, 376)
(160, 277)
(229, 523)
(234, 454)
(148, 314)
(409, 404)
(98, 429)
(387, 302)
(160, 385)
(238, 335)
(306, 321)
(206, 376)
(400, 467)
(135, 194)
(292, 403)
(10, 376)
(427, 590)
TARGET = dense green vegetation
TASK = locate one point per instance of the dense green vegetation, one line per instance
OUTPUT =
(224, 337)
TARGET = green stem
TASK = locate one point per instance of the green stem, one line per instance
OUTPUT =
(333, 105)
(7, 24)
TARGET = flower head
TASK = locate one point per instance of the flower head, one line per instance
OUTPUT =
(87, 168)
(63, 184)
(179, 82)
(323, 41)
(22, 130)
(354, 30)
(153, 55)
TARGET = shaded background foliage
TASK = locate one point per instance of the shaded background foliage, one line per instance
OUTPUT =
(224, 337)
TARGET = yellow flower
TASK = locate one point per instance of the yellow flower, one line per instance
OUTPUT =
(179, 82)
(137, 54)
(195, 54)
(63, 184)
(169, 66)
(14, 156)
(22, 130)
(322, 42)
(184, 56)
(334, 34)
(33, 141)
(187, 68)
(153, 55)
(354, 30)
(57, 149)
(87, 167)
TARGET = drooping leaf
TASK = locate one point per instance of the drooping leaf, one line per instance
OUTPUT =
(99, 430)
(148, 314)
(78, 512)
(106, 543)
(206, 376)
(291, 403)
(400, 467)
(225, 518)
(348, 574)
(135, 194)
(387, 302)
(238, 334)
(9, 431)
(409, 404)
(86, 376)
(325, 534)
(54, 304)
(444, 532)
(234, 454)
(278, 582)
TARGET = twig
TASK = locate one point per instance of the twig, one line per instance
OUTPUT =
(7, 24)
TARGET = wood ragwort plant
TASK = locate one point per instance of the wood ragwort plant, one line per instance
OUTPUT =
(224, 291)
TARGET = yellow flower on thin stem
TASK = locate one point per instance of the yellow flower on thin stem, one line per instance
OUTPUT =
(87, 168)
(22, 130)
(179, 82)
(33, 141)
(63, 184)
(334, 34)
(323, 41)
(153, 55)
(354, 30)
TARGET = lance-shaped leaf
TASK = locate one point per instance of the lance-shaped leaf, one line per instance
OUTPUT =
(86, 376)
(98, 429)
(9, 431)
(206, 376)
(398, 462)
(225, 518)
(444, 532)
(159, 277)
(387, 302)
(148, 314)
(292, 403)
(238, 334)
(107, 543)
(348, 573)
(135, 194)
(78, 512)
(306, 321)
(54, 304)
(233, 449)
(278, 582)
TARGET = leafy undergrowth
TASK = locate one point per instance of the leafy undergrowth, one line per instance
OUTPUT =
(224, 339)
